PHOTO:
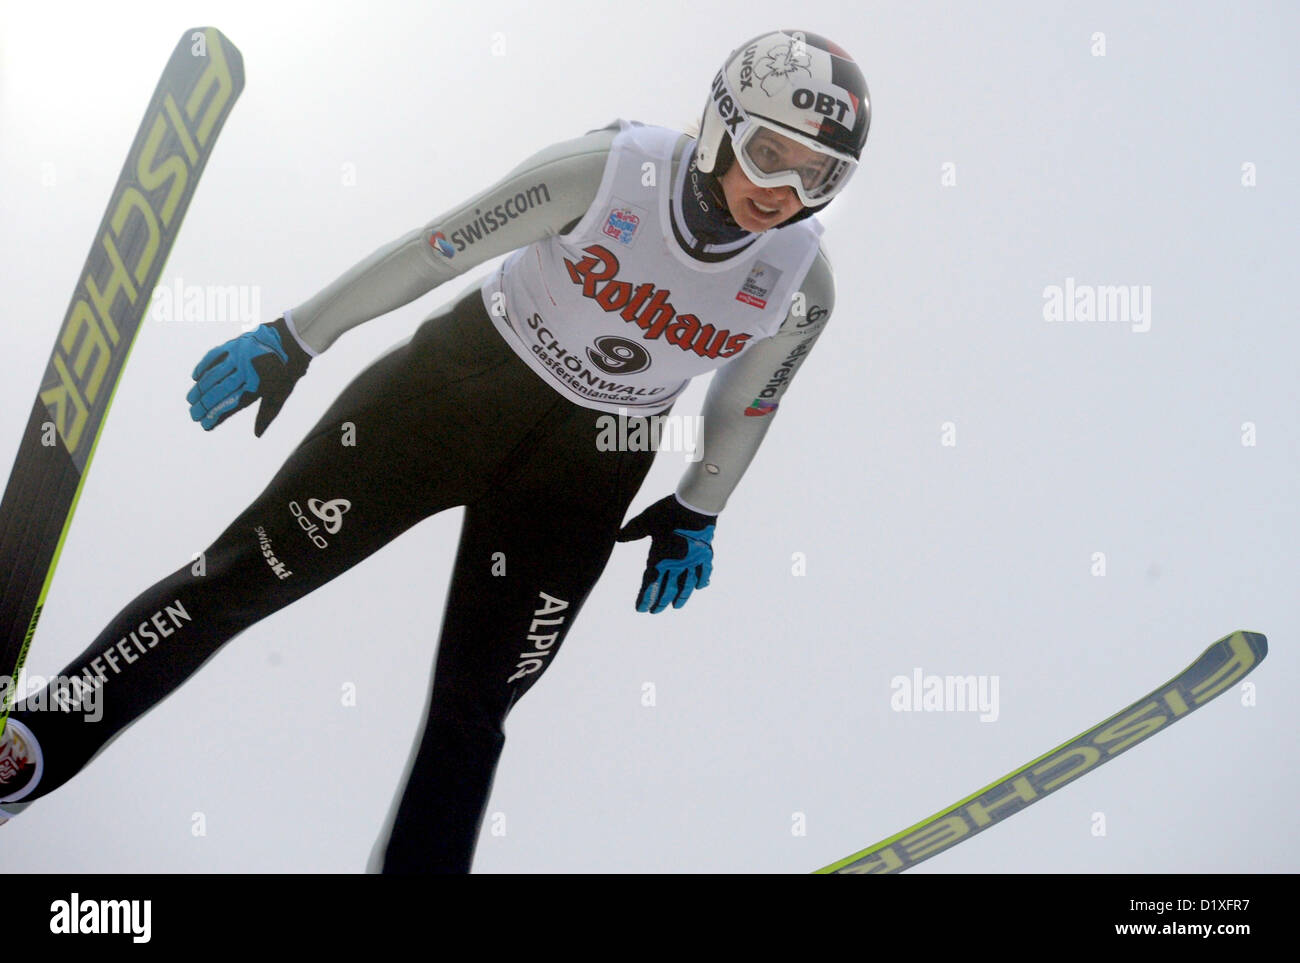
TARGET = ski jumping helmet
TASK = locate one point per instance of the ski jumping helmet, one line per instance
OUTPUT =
(788, 85)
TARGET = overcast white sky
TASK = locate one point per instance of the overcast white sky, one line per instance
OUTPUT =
(773, 690)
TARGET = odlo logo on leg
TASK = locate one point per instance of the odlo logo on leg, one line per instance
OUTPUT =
(541, 640)
(330, 513)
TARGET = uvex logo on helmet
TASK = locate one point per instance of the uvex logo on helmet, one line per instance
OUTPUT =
(730, 113)
(648, 306)
(747, 67)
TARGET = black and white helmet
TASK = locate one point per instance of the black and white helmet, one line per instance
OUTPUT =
(793, 109)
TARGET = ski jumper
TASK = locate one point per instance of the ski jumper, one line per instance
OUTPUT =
(606, 307)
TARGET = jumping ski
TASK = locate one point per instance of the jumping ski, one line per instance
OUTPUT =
(195, 94)
(1221, 666)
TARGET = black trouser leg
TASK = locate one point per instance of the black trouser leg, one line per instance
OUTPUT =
(528, 558)
(419, 445)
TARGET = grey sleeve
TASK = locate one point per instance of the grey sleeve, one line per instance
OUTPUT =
(760, 376)
(540, 197)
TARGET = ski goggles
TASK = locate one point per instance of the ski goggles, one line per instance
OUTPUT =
(773, 156)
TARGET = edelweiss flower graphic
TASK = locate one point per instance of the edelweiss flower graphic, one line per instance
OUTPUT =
(776, 68)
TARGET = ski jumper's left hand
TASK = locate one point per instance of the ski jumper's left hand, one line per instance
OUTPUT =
(681, 552)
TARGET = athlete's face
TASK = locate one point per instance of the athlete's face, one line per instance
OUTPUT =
(756, 209)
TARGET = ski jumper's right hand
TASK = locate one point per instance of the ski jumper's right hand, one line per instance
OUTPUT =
(265, 363)
(681, 552)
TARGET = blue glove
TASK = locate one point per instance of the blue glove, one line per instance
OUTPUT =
(265, 363)
(681, 553)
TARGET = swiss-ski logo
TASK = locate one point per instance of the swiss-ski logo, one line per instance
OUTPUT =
(648, 306)
(268, 552)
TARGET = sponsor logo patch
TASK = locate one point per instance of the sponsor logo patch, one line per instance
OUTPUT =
(758, 407)
(780, 376)
(268, 552)
(815, 314)
(762, 279)
(541, 636)
(647, 306)
(487, 220)
(169, 620)
(330, 513)
(621, 224)
(438, 241)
